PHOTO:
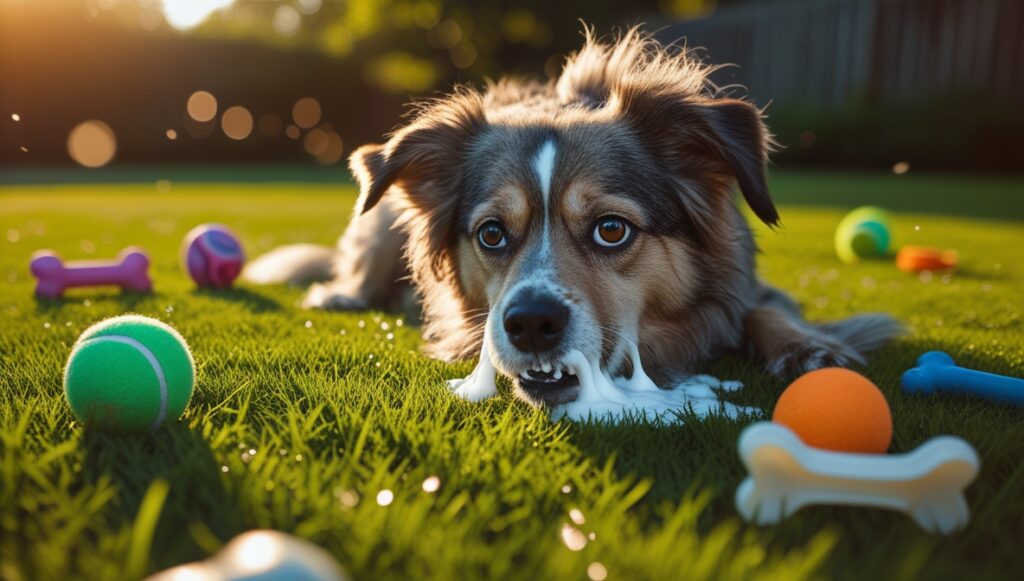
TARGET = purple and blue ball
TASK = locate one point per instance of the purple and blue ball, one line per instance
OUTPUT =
(212, 256)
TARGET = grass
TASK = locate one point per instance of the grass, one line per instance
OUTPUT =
(300, 418)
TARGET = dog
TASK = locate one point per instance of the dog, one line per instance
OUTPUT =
(592, 213)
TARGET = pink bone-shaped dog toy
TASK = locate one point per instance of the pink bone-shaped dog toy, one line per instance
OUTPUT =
(128, 271)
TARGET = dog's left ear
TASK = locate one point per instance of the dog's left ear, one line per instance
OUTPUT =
(420, 157)
(731, 131)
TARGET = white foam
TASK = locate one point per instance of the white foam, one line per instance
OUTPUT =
(603, 398)
(480, 384)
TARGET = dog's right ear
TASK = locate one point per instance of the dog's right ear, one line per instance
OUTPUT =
(422, 156)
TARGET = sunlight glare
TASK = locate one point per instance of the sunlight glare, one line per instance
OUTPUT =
(186, 14)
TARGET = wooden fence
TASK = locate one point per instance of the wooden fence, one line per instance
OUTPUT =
(827, 52)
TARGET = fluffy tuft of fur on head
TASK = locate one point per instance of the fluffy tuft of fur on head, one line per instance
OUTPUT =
(599, 70)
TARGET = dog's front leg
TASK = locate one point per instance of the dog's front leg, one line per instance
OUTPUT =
(369, 270)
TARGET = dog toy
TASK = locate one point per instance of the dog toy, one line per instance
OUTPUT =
(787, 475)
(863, 233)
(53, 276)
(918, 258)
(936, 371)
(836, 409)
(261, 554)
(212, 256)
(129, 373)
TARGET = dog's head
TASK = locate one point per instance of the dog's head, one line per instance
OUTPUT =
(573, 217)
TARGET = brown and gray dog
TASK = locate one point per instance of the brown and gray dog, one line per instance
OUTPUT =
(588, 214)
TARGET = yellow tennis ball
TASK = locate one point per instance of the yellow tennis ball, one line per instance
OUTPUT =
(129, 373)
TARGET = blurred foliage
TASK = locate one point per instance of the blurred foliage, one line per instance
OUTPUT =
(412, 46)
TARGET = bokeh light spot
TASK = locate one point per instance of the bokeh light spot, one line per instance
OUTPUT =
(315, 142)
(385, 497)
(292, 132)
(287, 20)
(92, 144)
(901, 167)
(15, 117)
(573, 538)
(446, 34)
(309, 6)
(463, 55)
(306, 112)
(237, 122)
(202, 106)
(426, 14)
(334, 150)
(172, 134)
(596, 571)
(431, 484)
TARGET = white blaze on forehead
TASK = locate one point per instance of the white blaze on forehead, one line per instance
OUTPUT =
(544, 167)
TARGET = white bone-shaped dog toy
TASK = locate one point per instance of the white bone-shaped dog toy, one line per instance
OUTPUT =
(787, 475)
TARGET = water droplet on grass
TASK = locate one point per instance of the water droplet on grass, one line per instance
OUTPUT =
(566, 489)
(431, 484)
(573, 538)
(349, 499)
(576, 515)
(597, 572)
(385, 497)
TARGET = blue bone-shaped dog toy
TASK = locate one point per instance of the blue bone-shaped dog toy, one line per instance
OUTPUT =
(936, 371)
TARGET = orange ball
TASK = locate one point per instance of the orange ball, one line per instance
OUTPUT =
(836, 409)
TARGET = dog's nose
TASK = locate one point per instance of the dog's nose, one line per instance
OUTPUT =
(536, 325)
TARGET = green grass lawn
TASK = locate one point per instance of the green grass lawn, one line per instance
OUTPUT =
(300, 418)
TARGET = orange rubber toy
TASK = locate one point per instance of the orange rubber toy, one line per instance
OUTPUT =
(918, 258)
(836, 409)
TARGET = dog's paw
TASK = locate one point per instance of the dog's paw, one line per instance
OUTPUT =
(321, 296)
(810, 353)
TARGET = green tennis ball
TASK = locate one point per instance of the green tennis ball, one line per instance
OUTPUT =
(129, 373)
(863, 233)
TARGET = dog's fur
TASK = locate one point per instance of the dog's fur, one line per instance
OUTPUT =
(631, 130)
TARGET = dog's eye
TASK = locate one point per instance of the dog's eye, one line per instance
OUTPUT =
(492, 235)
(611, 231)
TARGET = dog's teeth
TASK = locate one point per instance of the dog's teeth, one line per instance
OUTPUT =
(524, 374)
(558, 373)
(546, 368)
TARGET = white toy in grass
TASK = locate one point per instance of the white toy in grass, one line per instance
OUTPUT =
(606, 398)
(787, 475)
(261, 555)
